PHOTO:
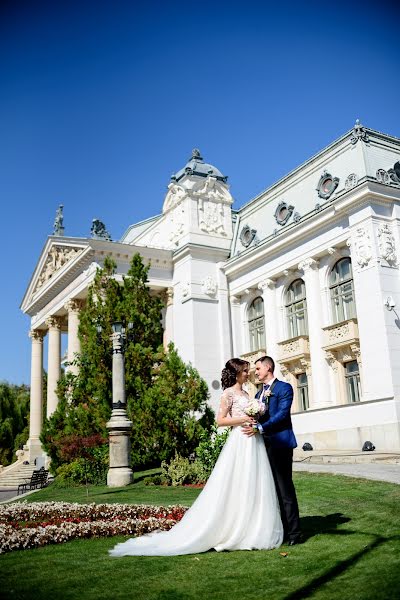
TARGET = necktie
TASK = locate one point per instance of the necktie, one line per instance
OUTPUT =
(266, 387)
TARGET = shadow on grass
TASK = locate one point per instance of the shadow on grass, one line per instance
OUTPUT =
(322, 524)
(339, 568)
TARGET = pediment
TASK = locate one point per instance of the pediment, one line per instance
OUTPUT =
(57, 257)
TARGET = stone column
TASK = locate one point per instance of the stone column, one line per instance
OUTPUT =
(320, 376)
(169, 317)
(271, 321)
(36, 395)
(237, 342)
(53, 362)
(73, 307)
(119, 426)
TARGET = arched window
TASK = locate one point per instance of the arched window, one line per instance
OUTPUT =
(256, 324)
(342, 291)
(296, 309)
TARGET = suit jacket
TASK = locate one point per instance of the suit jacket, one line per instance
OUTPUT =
(276, 422)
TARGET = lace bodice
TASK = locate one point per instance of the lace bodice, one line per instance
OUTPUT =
(233, 402)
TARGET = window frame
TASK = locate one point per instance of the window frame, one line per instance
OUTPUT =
(341, 292)
(256, 325)
(296, 326)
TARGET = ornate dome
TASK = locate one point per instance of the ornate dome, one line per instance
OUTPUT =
(196, 166)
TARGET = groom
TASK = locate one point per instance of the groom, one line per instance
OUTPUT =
(276, 427)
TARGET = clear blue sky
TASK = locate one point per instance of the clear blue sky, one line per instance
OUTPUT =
(100, 102)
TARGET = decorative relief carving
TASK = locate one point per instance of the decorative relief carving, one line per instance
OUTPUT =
(37, 335)
(351, 181)
(177, 223)
(176, 193)
(332, 360)
(383, 176)
(387, 245)
(295, 348)
(57, 258)
(212, 197)
(209, 286)
(361, 246)
(359, 133)
(338, 333)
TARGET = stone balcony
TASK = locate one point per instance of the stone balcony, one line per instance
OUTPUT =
(294, 349)
(340, 335)
(251, 357)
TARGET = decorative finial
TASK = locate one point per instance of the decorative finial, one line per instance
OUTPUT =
(99, 231)
(58, 227)
(359, 133)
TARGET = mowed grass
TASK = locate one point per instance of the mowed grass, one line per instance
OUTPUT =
(351, 551)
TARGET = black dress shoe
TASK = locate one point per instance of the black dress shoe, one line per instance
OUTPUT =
(294, 541)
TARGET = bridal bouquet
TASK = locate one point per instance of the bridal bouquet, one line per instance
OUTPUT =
(254, 407)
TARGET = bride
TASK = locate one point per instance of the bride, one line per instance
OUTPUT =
(238, 508)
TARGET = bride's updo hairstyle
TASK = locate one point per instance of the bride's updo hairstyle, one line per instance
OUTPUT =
(232, 369)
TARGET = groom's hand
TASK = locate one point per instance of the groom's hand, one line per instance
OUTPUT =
(249, 430)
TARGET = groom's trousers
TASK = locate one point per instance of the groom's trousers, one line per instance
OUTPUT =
(281, 461)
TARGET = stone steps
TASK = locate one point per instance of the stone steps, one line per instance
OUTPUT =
(16, 474)
(345, 457)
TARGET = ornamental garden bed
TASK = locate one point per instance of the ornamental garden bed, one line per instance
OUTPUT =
(30, 525)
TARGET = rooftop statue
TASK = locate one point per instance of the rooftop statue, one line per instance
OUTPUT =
(99, 231)
(58, 227)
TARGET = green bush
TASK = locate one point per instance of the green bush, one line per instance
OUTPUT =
(178, 471)
(92, 469)
(209, 449)
(154, 480)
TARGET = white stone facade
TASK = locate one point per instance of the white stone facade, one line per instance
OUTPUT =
(308, 272)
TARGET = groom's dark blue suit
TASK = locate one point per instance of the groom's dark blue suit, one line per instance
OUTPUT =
(280, 441)
(276, 422)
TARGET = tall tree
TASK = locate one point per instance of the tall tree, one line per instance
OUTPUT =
(14, 416)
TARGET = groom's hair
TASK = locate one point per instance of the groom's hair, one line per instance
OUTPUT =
(267, 360)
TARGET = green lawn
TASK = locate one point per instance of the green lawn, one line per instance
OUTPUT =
(352, 552)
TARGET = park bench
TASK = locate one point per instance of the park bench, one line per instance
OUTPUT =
(38, 480)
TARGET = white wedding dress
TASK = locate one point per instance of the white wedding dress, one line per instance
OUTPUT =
(238, 508)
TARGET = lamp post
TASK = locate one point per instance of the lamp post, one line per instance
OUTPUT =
(119, 426)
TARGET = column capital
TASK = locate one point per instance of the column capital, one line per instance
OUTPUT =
(169, 295)
(37, 335)
(308, 264)
(234, 300)
(267, 284)
(54, 322)
(73, 305)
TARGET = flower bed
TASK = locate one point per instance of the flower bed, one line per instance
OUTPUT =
(24, 525)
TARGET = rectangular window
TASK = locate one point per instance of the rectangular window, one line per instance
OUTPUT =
(297, 319)
(343, 304)
(256, 332)
(302, 391)
(352, 377)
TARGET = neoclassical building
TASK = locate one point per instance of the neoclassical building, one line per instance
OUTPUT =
(308, 272)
